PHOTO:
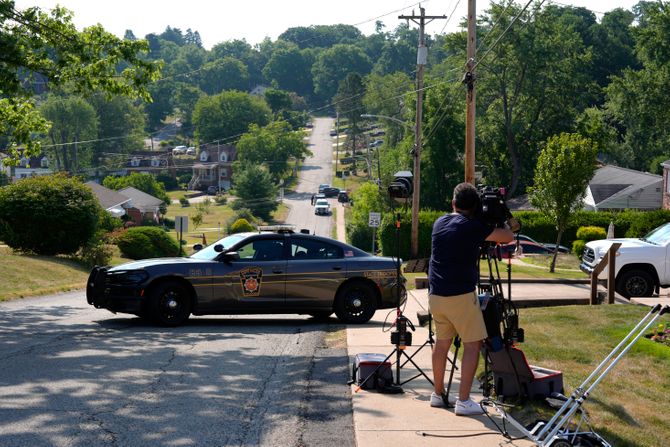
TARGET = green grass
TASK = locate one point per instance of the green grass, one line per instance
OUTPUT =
(563, 261)
(27, 275)
(629, 407)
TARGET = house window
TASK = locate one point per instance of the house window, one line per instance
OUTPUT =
(224, 157)
(135, 162)
(204, 156)
(44, 162)
(155, 162)
(223, 173)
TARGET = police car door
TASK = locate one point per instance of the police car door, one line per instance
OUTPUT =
(257, 279)
(315, 270)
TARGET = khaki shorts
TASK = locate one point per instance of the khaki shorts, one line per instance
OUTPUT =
(457, 314)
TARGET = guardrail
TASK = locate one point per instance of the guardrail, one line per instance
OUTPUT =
(609, 258)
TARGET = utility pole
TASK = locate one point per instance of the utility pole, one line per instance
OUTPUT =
(337, 141)
(421, 59)
(469, 81)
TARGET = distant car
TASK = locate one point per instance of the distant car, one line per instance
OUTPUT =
(323, 186)
(378, 133)
(561, 248)
(319, 196)
(376, 143)
(333, 133)
(527, 248)
(212, 190)
(190, 151)
(343, 196)
(322, 207)
(276, 272)
(331, 191)
(179, 150)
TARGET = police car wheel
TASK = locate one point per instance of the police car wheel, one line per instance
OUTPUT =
(355, 303)
(170, 304)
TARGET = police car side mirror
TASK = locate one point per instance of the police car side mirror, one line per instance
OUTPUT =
(197, 247)
(218, 248)
(231, 256)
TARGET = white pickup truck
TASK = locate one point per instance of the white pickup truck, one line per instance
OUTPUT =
(642, 265)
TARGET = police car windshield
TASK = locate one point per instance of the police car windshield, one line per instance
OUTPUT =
(208, 253)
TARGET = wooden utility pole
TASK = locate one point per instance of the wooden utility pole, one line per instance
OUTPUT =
(469, 81)
(421, 59)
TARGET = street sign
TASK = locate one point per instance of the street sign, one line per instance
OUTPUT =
(375, 219)
(181, 224)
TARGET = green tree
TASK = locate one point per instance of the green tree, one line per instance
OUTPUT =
(321, 35)
(290, 69)
(334, 64)
(228, 114)
(349, 103)
(72, 120)
(278, 99)
(40, 47)
(367, 198)
(48, 215)
(273, 145)
(144, 182)
(564, 168)
(255, 190)
(390, 95)
(224, 74)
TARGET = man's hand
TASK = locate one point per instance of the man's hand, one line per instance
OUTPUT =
(513, 224)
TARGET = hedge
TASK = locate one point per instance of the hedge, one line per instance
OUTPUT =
(387, 233)
(147, 242)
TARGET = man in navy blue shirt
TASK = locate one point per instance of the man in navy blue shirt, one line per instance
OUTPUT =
(452, 282)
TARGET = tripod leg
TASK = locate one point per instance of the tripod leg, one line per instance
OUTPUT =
(457, 345)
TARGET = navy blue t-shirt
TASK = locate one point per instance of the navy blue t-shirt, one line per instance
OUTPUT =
(455, 248)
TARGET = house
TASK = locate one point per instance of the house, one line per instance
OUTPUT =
(142, 206)
(148, 161)
(110, 200)
(615, 188)
(28, 167)
(214, 167)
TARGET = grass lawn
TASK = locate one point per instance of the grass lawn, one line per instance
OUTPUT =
(27, 275)
(630, 406)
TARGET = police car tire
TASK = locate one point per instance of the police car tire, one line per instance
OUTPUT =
(163, 298)
(355, 303)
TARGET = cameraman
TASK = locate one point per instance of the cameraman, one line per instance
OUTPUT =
(452, 280)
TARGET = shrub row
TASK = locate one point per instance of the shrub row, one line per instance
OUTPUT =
(147, 242)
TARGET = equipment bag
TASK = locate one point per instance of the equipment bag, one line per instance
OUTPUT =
(373, 367)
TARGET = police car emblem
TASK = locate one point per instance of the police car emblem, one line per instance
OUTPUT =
(250, 279)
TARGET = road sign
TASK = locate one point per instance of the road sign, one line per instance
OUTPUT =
(181, 224)
(375, 219)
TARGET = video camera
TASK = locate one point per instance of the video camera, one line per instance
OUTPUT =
(493, 209)
(401, 186)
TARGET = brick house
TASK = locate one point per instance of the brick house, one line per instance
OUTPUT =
(214, 167)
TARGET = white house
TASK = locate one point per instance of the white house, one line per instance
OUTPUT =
(615, 188)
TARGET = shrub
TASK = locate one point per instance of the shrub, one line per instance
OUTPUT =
(240, 226)
(387, 234)
(184, 202)
(107, 222)
(168, 223)
(591, 233)
(242, 213)
(95, 253)
(147, 242)
(48, 215)
(221, 199)
(578, 247)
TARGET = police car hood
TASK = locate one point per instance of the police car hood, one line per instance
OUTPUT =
(144, 263)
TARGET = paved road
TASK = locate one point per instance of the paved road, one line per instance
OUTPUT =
(71, 375)
(315, 170)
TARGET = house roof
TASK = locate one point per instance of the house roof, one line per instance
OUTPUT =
(140, 199)
(520, 203)
(610, 183)
(108, 198)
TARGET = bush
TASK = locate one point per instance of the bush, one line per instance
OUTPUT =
(147, 242)
(107, 222)
(578, 247)
(184, 202)
(48, 215)
(167, 180)
(221, 199)
(95, 253)
(387, 234)
(241, 226)
(168, 223)
(591, 233)
(242, 213)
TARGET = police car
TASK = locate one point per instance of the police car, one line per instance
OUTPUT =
(273, 271)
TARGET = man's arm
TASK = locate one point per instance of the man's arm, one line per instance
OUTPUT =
(501, 235)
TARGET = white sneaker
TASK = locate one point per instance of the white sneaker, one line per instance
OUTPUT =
(437, 400)
(468, 408)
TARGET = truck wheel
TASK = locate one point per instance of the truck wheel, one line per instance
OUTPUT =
(635, 283)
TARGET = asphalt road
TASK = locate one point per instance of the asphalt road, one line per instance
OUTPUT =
(315, 170)
(72, 375)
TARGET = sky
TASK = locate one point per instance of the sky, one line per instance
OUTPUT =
(253, 20)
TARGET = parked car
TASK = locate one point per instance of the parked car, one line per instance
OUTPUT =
(212, 190)
(527, 248)
(333, 133)
(376, 143)
(190, 151)
(179, 150)
(378, 133)
(322, 207)
(268, 272)
(343, 196)
(323, 186)
(331, 191)
(641, 265)
(561, 248)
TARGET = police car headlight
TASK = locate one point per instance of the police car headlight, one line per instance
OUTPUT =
(128, 277)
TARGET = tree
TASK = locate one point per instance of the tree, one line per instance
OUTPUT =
(228, 115)
(273, 145)
(390, 95)
(334, 64)
(41, 48)
(564, 168)
(349, 103)
(48, 215)
(224, 74)
(290, 69)
(72, 120)
(144, 182)
(278, 99)
(255, 190)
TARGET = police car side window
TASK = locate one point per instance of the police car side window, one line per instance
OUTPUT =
(311, 249)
